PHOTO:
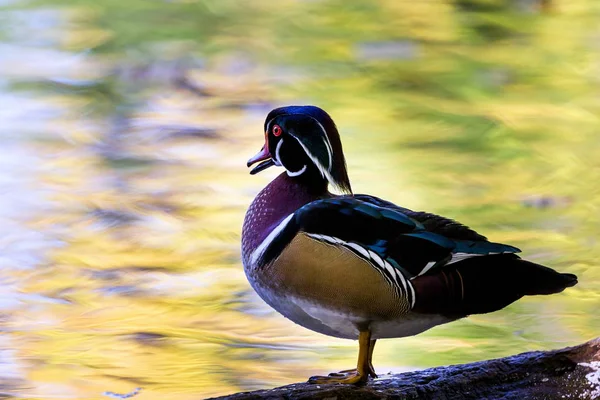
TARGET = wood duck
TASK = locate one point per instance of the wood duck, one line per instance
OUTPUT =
(358, 267)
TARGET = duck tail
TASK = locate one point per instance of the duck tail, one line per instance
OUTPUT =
(484, 284)
(540, 280)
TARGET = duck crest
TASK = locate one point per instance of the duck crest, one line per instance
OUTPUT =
(275, 202)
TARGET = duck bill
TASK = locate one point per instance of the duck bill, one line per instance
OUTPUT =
(264, 156)
(262, 166)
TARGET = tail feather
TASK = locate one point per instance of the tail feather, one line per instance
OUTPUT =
(485, 284)
(537, 279)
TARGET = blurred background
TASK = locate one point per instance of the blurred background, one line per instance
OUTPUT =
(125, 126)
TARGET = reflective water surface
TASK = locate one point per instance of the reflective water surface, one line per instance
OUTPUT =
(125, 130)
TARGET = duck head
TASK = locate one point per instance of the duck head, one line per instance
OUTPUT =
(305, 141)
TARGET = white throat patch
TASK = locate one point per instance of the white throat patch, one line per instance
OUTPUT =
(279, 163)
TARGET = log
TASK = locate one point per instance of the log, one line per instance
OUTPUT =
(569, 373)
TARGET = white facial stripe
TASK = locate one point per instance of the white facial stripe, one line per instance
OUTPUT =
(276, 159)
(327, 144)
(292, 174)
(268, 129)
(279, 163)
(329, 153)
(324, 172)
(268, 240)
(277, 150)
(325, 140)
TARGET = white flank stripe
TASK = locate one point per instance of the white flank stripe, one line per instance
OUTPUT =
(380, 264)
(375, 257)
(325, 238)
(316, 236)
(456, 257)
(265, 243)
(402, 279)
(392, 271)
(427, 267)
(335, 240)
(412, 290)
(358, 248)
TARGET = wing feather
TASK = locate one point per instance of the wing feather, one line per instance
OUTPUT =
(383, 233)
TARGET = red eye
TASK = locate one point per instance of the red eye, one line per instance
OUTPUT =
(277, 130)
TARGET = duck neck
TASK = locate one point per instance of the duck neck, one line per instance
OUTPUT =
(277, 200)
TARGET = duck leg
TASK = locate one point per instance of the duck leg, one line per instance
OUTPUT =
(371, 370)
(364, 367)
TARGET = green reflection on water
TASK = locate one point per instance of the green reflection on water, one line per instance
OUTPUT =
(481, 111)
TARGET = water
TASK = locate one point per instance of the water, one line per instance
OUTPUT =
(125, 131)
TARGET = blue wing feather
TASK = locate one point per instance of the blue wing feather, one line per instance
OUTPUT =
(394, 233)
(472, 247)
(435, 238)
(465, 246)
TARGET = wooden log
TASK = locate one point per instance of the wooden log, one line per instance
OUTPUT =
(570, 373)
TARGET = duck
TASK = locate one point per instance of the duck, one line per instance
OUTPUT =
(358, 267)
